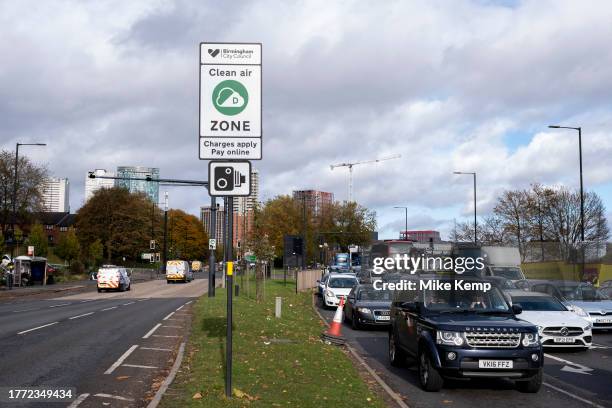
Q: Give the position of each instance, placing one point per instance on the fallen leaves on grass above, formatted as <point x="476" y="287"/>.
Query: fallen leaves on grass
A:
<point x="197" y="395"/>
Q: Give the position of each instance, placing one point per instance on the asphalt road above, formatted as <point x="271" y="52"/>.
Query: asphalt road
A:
<point x="78" y="342"/>
<point x="572" y="378"/>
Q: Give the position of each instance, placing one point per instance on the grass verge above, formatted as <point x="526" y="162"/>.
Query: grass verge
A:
<point x="277" y="362"/>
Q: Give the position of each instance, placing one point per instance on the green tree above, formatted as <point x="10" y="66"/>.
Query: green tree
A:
<point x="95" y="252"/>
<point x="68" y="247"/>
<point x="38" y="240"/>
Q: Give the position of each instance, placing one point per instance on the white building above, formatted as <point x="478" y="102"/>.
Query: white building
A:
<point x="56" y="195"/>
<point x="94" y="184"/>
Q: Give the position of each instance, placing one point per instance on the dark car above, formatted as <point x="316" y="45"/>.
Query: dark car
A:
<point x="463" y="332"/>
<point x="367" y="306"/>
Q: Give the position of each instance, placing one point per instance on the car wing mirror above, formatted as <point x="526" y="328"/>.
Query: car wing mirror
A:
<point x="517" y="309"/>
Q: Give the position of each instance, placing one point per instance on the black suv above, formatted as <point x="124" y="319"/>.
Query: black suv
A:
<point x="463" y="333"/>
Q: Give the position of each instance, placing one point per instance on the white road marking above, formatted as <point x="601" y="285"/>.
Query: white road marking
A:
<point x="108" y="308"/>
<point x="146" y="336"/>
<point x="176" y="320"/>
<point x="189" y="302"/>
<point x="599" y="346"/>
<point x="88" y="300"/>
<point x="562" y="391"/>
<point x="175" y="327"/>
<point x="179" y="308"/>
<point x="136" y="366"/>
<point x="571" y="367"/>
<point x="23" y="310"/>
<point x="167" y="317"/>
<point x="82" y="315"/>
<point x="117" y="397"/>
<point x="142" y="300"/>
<point x="129" y="303"/>
<point x="159" y="335"/>
<point x="36" y="328"/>
<point x="155" y="348"/>
<point x="63" y="304"/>
<point x="78" y="401"/>
<point x="121" y="359"/>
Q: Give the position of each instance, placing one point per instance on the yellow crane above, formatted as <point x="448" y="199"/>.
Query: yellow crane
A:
<point x="350" y="167"/>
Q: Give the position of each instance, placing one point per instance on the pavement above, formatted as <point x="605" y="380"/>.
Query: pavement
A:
<point x="112" y="349"/>
<point x="572" y="378"/>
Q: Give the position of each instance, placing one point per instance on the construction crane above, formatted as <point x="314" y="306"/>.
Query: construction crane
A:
<point x="350" y="167"/>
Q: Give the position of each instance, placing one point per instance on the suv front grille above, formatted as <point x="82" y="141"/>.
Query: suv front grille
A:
<point x="494" y="340"/>
<point x="558" y="331"/>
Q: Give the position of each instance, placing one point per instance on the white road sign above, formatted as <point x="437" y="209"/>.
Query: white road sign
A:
<point x="212" y="244"/>
<point x="230" y="101"/>
<point x="229" y="178"/>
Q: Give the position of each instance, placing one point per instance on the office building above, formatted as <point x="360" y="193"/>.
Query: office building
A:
<point x="206" y="218"/>
<point x="56" y="195"/>
<point x="94" y="184"/>
<point x="316" y="201"/>
<point x="150" y="188"/>
<point x="243" y="205"/>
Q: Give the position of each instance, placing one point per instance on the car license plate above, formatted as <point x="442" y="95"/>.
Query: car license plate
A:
<point x="563" y="340"/>
<point x="603" y="321"/>
<point x="383" y="317"/>
<point x="505" y="364"/>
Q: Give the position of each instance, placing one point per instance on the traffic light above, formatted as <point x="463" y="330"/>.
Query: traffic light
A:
<point x="298" y="245"/>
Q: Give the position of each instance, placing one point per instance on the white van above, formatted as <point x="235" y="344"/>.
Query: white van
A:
<point x="113" y="277"/>
<point x="178" y="271"/>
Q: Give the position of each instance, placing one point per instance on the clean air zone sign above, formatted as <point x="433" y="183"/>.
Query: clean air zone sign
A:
<point x="230" y="101"/>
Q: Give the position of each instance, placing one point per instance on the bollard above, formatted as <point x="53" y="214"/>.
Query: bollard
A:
<point x="237" y="290"/>
<point x="278" y="307"/>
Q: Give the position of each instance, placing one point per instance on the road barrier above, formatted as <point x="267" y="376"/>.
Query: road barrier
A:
<point x="307" y="279"/>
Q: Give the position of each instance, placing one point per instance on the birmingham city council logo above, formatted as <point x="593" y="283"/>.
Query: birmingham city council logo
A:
<point x="230" y="97"/>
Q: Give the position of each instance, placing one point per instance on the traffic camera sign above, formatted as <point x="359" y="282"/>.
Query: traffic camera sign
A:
<point x="229" y="178"/>
<point x="212" y="244"/>
<point x="230" y="101"/>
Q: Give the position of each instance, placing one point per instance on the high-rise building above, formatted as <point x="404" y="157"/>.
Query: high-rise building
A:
<point x="150" y="188"/>
<point x="243" y="212"/>
<point x="243" y="205"/>
<point x="94" y="184"/>
<point x="316" y="201"/>
<point x="56" y="195"/>
<point x="206" y="218"/>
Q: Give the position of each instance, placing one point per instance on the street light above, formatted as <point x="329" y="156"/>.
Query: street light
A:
<point x="165" y="254"/>
<point x="406" y="230"/>
<point x="475" y="222"/>
<point x="579" y="129"/>
<point x="15" y="186"/>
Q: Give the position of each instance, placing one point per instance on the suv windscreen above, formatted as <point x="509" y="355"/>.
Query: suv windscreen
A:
<point x="507" y="272"/>
<point x="582" y="293"/>
<point x="373" y="294"/>
<point x="539" y="303"/>
<point x="345" y="283"/>
<point x="464" y="300"/>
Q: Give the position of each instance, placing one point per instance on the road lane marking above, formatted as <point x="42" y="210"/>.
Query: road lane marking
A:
<point x="117" y="397"/>
<point x="63" y="304"/>
<point x="175" y="327"/>
<point x="155" y="348"/>
<point x="142" y="300"/>
<point x="88" y="300"/>
<point x="189" y="302"/>
<point x="562" y="391"/>
<point x="36" y="328"/>
<point x="164" y="386"/>
<point x="78" y="401"/>
<point x="121" y="359"/>
<point x="159" y="335"/>
<point x="129" y="303"/>
<point x="571" y="367"/>
<point x="167" y="317"/>
<point x="79" y="316"/>
<point x="23" y="310"/>
<point x="137" y="366"/>
<point x="179" y="308"/>
<point x="176" y="320"/>
<point x="157" y="326"/>
<point x="108" y="308"/>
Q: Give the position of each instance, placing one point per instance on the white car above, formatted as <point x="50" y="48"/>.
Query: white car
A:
<point x="338" y="286"/>
<point x="558" y="326"/>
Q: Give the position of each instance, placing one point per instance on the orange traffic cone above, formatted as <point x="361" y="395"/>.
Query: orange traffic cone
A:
<point x="334" y="333"/>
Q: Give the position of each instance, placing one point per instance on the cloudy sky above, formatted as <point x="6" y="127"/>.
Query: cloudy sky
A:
<point x="449" y="85"/>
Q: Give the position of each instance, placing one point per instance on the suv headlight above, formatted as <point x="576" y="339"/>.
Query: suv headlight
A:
<point x="449" y="338"/>
<point x="579" y="311"/>
<point x="589" y="327"/>
<point x="530" y="339"/>
<point x="364" y="310"/>
<point x="329" y="293"/>
<point x="540" y="328"/>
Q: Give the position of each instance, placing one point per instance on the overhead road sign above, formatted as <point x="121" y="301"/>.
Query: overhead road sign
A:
<point x="229" y="179"/>
<point x="230" y="101"/>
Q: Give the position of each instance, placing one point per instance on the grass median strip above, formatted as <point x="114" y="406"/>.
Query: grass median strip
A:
<point x="276" y="362"/>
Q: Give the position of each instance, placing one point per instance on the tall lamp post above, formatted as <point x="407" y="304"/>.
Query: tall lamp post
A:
<point x="165" y="249"/>
<point x="475" y="222"/>
<point x="406" y="222"/>
<point x="15" y="188"/>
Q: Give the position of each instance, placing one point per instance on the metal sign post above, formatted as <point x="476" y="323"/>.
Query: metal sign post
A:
<point x="229" y="286"/>
<point x="212" y="260"/>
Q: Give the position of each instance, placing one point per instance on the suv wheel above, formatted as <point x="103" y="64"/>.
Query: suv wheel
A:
<point x="355" y="323"/>
<point x="429" y="377"/>
<point x="396" y="355"/>
<point x="533" y="385"/>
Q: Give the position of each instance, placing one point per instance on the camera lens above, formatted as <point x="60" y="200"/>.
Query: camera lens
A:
<point x="221" y="183"/>
<point x="228" y="170"/>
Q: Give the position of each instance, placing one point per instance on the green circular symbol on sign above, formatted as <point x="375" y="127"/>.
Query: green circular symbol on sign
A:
<point x="230" y="97"/>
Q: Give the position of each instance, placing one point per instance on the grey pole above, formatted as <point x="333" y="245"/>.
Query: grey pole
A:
<point x="475" y="222"/>
<point x="211" y="259"/>
<point x="229" y="287"/>
<point x="165" y="254"/>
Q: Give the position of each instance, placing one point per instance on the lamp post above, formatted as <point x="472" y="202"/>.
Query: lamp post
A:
<point x="165" y="249"/>
<point x="406" y="222"/>
<point x="475" y="222"/>
<point x="15" y="187"/>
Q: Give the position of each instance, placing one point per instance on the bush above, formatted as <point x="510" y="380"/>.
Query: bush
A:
<point x="77" y="268"/>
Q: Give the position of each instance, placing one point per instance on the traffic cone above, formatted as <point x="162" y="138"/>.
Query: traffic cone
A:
<point x="334" y="333"/>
